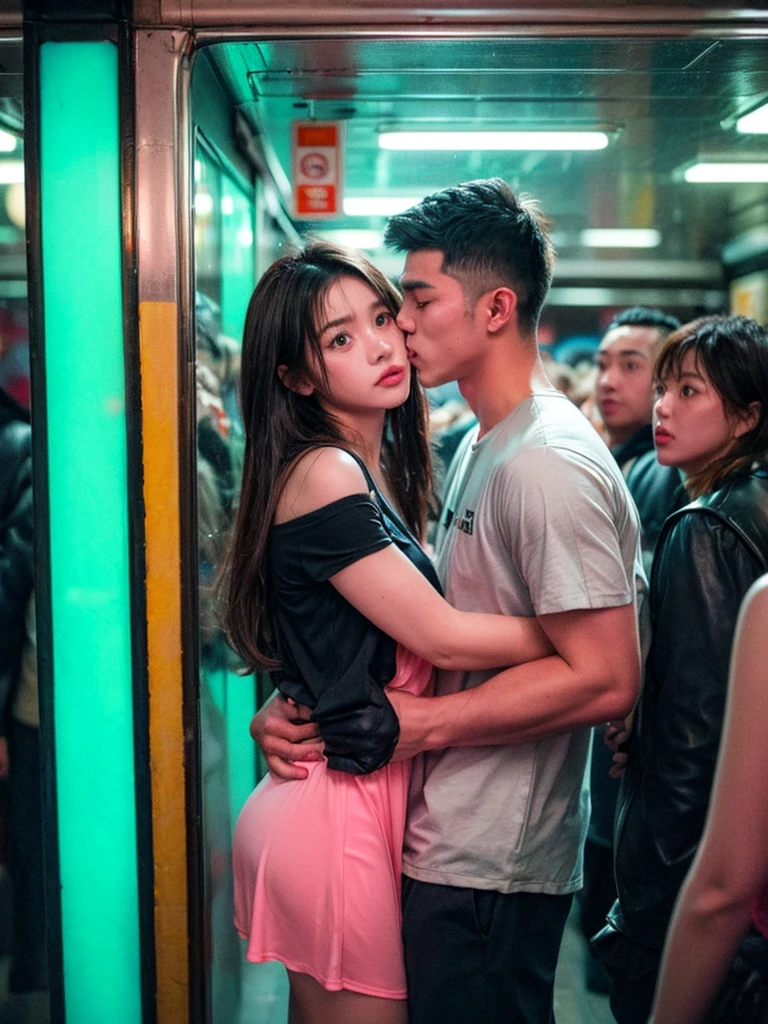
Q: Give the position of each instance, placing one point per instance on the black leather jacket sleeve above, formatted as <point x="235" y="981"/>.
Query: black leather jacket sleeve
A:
<point x="702" y="573"/>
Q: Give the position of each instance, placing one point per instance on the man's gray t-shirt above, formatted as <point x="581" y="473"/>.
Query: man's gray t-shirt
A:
<point x="537" y="520"/>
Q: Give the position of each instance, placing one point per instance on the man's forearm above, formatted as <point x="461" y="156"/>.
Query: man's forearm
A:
<point x="519" y="705"/>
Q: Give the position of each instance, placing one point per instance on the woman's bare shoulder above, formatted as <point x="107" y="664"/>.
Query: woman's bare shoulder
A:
<point x="319" y="477"/>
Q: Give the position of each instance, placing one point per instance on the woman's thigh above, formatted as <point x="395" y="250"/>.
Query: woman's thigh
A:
<point x="310" y="1003"/>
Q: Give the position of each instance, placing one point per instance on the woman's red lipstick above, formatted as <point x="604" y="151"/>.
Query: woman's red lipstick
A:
<point x="391" y="376"/>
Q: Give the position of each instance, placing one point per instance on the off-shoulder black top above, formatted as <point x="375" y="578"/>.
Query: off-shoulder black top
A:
<point x="335" y="660"/>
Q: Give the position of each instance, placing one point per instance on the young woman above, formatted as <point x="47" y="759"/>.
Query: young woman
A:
<point x="711" y="421"/>
<point x="727" y="889"/>
<point x="326" y="579"/>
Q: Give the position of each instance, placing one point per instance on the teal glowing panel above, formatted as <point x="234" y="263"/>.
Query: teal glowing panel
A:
<point x="237" y="257"/>
<point x="85" y="389"/>
<point x="241" y="750"/>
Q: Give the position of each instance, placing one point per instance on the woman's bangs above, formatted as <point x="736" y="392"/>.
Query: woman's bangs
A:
<point x="672" y="357"/>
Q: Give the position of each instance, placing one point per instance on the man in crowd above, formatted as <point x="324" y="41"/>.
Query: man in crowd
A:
<point x="536" y="521"/>
<point x="624" y="387"/>
<point x="624" y="393"/>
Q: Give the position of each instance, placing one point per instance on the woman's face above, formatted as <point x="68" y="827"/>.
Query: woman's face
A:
<point x="363" y="352"/>
<point x="692" y="427"/>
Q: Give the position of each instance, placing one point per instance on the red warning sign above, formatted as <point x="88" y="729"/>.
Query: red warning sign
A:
<point x="317" y="168"/>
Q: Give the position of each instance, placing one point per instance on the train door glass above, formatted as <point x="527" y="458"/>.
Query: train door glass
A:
<point x="602" y="130"/>
<point x="224" y="259"/>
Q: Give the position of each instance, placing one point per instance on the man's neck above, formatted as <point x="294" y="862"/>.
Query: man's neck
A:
<point x="501" y="383"/>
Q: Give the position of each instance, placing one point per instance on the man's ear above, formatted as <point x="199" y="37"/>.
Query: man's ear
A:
<point x="500" y="305"/>
<point x="747" y="419"/>
<point x="299" y="384"/>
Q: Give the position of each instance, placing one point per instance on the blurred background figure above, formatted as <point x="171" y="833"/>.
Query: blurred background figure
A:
<point x="20" y="721"/>
<point x="217" y="352"/>
<point x="562" y="375"/>
<point x="14" y="351"/>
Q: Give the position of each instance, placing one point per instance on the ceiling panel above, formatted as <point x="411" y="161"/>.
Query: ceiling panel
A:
<point x="664" y="103"/>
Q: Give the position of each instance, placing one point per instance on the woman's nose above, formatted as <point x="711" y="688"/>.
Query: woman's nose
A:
<point x="382" y="346"/>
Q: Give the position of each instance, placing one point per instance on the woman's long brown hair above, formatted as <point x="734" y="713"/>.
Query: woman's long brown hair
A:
<point x="280" y="424"/>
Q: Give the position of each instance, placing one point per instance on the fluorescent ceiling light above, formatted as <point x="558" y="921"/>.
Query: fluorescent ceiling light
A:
<point x="7" y="142"/>
<point x="378" y="206"/>
<point x="11" y="171"/>
<point x="529" y="141"/>
<point x="203" y="204"/>
<point x="727" y="172"/>
<point x="355" y="238"/>
<point x="755" y="122"/>
<point x="244" y="236"/>
<point x="620" y="238"/>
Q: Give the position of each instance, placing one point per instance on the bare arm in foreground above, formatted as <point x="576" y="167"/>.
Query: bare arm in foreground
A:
<point x="731" y="867"/>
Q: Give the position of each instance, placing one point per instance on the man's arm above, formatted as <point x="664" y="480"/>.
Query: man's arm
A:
<point x="593" y="677"/>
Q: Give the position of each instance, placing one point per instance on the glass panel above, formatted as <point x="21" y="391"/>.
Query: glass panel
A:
<point x="237" y="256"/>
<point x="225" y="268"/>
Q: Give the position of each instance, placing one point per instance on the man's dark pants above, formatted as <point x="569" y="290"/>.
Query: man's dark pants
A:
<point x="476" y="955"/>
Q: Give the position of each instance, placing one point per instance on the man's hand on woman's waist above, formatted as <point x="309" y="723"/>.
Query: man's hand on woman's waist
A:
<point x="286" y="736"/>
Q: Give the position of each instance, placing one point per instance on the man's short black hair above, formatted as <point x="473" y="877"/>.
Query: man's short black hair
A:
<point x="489" y="238"/>
<point x="645" y="316"/>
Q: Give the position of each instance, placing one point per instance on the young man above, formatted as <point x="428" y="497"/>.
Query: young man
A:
<point x="624" y="393"/>
<point x="624" y="386"/>
<point x="537" y="521"/>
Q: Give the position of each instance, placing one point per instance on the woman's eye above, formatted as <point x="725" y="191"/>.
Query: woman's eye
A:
<point x="658" y="390"/>
<point x="421" y="305"/>
<point x="382" y="319"/>
<point x="686" y="391"/>
<point x="339" y="341"/>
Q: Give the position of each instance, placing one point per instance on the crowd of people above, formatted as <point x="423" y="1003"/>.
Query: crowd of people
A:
<point x="481" y="702"/>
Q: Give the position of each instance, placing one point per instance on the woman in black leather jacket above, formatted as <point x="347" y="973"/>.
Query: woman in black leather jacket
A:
<point x="711" y="421"/>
